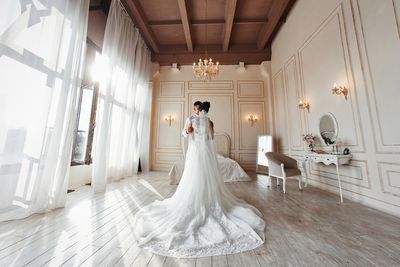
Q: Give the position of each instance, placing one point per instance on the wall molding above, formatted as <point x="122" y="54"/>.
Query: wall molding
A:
<point x="224" y="95"/>
<point x="346" y="192"/>
<point x="344" y="40"/>
<point x="241" y="122"/>
<point x="165" y="86"/>
<point x="359" y="145"/>
<point x="375" y="117"/>
<point x="248" y="161"/>
<point x="363" y="180"/>
<point x="167" y="157"/>
<point x="242" y="83"/>
<point x="396" y="15"/>
<point x="231" y="100"/>
<point x="210" y="85"/>
<point x="278" y="143"/>
<point x="292" y="61"/>
<point x="159" y="117"/>
<point x="385" y="168"/>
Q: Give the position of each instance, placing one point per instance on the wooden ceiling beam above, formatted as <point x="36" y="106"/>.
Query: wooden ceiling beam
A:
<point x="137" y="15"/>
<point x="185" y="24"/>
<point x="249" y="21"/>
<point x="164" y="22"/>
<point x="282" y="20"/>
<point x="211" y="48"/>
<point x="224" y="58"/>
<point x="209" y="22"/>
<point x="279" y="9"/>
<point x="229" y="16"/>
<point x="192" y="22"/>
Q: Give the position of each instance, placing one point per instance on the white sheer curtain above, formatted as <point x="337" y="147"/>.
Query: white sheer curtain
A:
<point x="41" y="49"/>
<point x="123" y="100"/>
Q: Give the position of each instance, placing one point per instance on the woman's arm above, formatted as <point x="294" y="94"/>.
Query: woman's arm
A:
<point x="184" y="130"/>
<point x="188" y="129"/>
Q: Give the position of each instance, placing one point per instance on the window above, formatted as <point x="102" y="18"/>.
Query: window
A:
<point x="81" y="153"/>
<point x="82" y="147"/>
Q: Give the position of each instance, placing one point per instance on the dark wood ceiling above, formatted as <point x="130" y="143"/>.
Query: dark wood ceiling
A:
<point x="237" y="30"/>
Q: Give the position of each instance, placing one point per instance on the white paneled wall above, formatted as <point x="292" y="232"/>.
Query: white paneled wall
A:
<point x="354" y="43"/>
<point x="234" y="95"/>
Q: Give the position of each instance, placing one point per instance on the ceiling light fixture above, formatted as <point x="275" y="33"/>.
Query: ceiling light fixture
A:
<point x="205" y="69"/>
<point x="175" y="67"/>
<point x="241" y="66"/>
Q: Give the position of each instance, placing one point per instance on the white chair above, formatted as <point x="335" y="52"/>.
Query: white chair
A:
<point x="283" y="167"/>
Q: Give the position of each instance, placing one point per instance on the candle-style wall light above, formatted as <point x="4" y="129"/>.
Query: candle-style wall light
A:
<point x="304" y="105"/>
<point x="252" y="119"/>
<point x="170" y="119"/>
<point x="340" y="90"/>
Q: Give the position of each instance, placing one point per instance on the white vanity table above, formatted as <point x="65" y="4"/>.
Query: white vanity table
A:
<point x="328" y="131"/>
<point x="327" y="159"/>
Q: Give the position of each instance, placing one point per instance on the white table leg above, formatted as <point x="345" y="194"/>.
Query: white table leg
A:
<point x="305" y="172"/>
<point x="340" y="185"/>
<point x="300" y="181"/>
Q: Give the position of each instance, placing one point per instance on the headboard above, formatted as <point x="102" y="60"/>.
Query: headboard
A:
<point x="222" y="143"/>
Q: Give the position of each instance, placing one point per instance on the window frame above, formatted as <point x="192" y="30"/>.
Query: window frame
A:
<point x="92" y="123"/>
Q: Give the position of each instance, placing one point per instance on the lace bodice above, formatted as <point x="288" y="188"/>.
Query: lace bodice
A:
<point x="201" y="127"/>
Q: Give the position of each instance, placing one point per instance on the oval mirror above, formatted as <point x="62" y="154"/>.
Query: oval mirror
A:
<point x="328" y="128"/>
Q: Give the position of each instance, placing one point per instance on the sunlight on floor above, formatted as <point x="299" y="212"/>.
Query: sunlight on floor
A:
<point x="150" y="187"/>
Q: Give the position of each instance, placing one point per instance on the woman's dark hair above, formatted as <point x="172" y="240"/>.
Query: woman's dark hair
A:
<point x="205" y="106"/>
<point x="197" y="103"/>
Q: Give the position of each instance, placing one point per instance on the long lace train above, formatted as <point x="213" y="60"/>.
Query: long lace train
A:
<point x="203" y="218"/>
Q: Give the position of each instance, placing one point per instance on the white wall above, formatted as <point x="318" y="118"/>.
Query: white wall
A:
<point x="233" y="94"/>
<point x="354" y="43"/>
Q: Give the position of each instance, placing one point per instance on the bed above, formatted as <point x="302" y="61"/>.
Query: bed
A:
<point x="230" y="169"/>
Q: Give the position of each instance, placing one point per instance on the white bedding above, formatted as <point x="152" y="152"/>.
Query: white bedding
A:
<point x="230" y="171"/>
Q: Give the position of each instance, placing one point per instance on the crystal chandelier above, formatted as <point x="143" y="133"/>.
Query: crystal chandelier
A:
<point x="205" y="69"/>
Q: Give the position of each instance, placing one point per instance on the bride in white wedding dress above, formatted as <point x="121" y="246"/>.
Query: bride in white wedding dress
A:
<point x="203" y="218"/>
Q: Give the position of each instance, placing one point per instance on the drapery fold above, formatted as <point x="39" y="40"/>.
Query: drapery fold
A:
<point x="42" y="47"/>
<point x="123" y="101"/>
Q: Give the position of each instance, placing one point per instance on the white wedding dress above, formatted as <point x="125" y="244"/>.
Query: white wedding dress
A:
<point x="203" y="218"/>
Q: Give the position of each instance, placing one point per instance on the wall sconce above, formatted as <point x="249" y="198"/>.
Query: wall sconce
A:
<point x="170" y="119"/>
<point x="304" y="105"/>
<point x="340" y="90"/>
<point x="252" y="119"/>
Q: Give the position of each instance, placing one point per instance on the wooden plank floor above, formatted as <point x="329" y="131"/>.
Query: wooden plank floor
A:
<point x="304" y="228"/>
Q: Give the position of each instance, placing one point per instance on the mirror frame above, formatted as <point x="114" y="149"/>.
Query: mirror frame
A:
<point x="336" y="125"/>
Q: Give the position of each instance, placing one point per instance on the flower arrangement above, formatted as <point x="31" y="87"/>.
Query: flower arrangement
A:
<point x="310" y="140"/>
